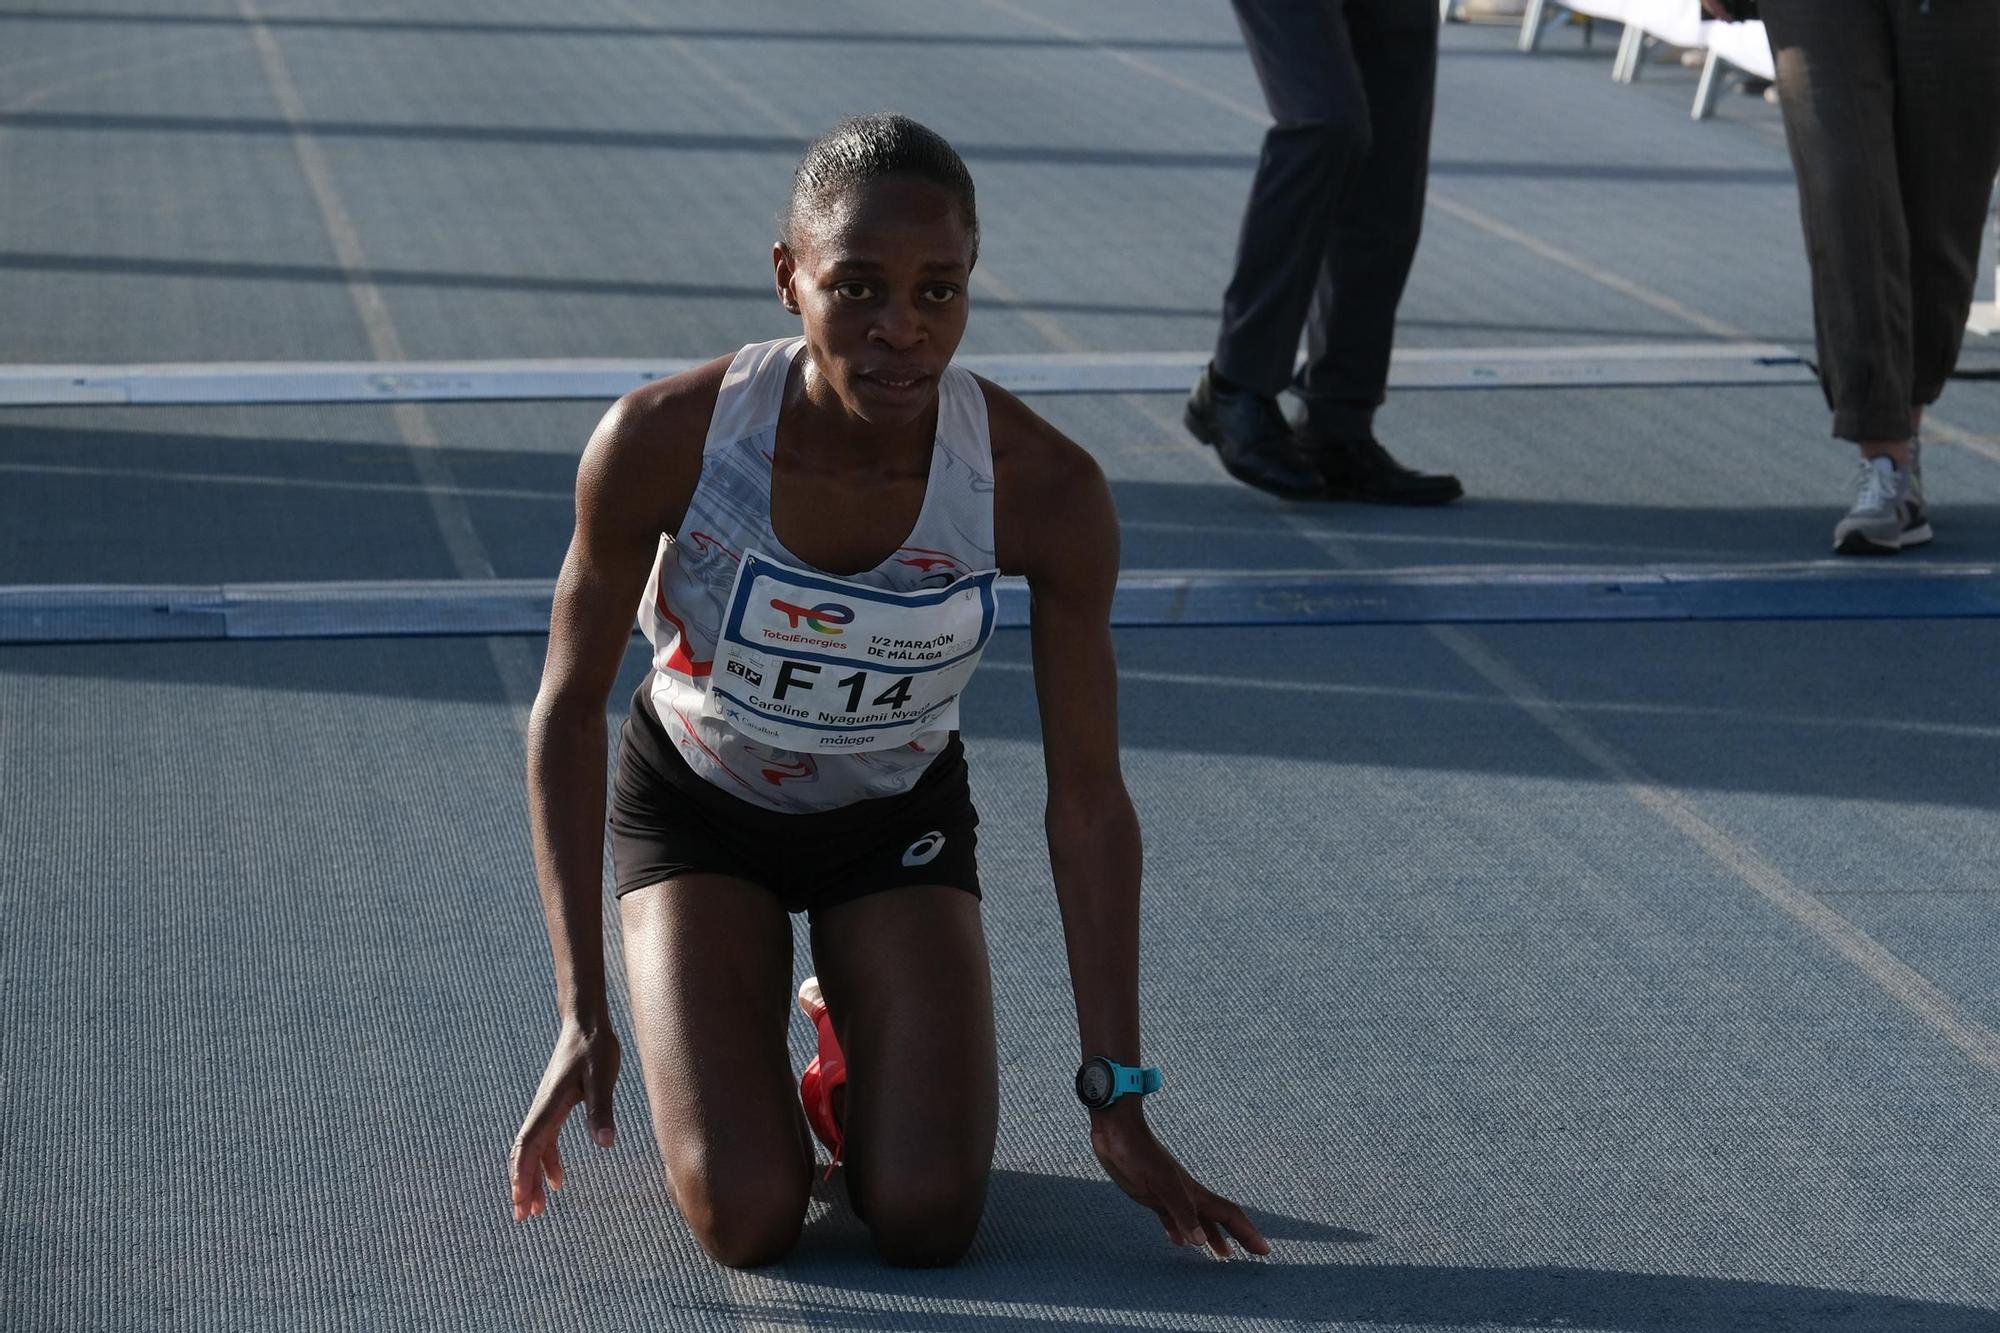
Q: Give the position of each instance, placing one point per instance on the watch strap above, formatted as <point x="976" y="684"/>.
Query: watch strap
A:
<point x="1140" y="1079"/>
<point x="1135" y="1079"/>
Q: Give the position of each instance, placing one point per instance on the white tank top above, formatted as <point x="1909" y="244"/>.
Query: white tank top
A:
<point x="948" y="557"/>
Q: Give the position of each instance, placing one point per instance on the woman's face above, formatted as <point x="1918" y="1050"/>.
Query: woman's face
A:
<point x="878" y="278"/>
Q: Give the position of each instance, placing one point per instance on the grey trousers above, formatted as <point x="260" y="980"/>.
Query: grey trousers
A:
<point x="1892" y="113"/>
<point x="1337" y="201"/>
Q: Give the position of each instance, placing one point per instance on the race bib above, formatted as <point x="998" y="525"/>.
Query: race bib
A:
<point x="809" y="662"/>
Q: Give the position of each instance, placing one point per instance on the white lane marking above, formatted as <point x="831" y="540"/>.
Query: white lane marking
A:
<point x="1609" y="708"/>
<point x="513" y="659"/>
<point x="1424" y="539"/>
<point x="187" y="51"/>
<point x="1613" y="365"/>
<point x="1903" y="983"/>
<point x="1575" y="263"/>
<point x="1986" y="446"/>
<point x="1428" y="541"/>
<point x="282" y="483"/>
<point x="1159" y="598"/>
<point x="1255" y="114"/>
<point x="98" y="73"/>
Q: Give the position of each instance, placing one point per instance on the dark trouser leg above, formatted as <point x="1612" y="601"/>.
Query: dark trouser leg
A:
<point x="1306" y="68"/>
<point x="1948" y="147"/>
<point x="1837" y="86"/>
<point x="1373" y="240"/>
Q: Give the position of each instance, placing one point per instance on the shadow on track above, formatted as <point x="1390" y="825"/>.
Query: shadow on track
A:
<point x="1078" y="1247"/>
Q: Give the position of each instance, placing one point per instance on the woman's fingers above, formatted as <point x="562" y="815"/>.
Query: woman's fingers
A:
<point x="524" y="1171"/>
<point x="1166" y="1195"/>
<point x="1167" y="1190"/>
<point x="1180" y="1206"/>
<point x="534" y="1149"/>
<point x="1221" y="1212"/>
<point x="598" y="1081"/>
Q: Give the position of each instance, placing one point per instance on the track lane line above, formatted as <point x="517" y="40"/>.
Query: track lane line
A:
<point x="513" y="660"/>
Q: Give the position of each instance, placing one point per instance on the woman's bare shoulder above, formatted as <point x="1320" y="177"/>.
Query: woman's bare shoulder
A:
<point x="665" y="414"/>
<point x="646" y="451"/>
<point x="1050" y="500"/>
<point x="1028" y="448"/>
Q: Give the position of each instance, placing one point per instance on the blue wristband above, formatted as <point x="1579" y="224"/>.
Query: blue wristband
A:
<point x="1100" y="1082"/>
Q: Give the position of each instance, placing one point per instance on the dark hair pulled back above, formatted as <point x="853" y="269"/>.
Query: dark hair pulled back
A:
<point x="864" y="149"/>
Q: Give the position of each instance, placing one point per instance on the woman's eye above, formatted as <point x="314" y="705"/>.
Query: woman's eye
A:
<point x="941" y="293"/>
<point x="854" y="291"/>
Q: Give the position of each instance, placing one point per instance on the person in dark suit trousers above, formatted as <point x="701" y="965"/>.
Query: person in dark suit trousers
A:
<point x="1328" y="236"/>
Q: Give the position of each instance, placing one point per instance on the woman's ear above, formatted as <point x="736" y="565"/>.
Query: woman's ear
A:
<point x="786" y="270"/>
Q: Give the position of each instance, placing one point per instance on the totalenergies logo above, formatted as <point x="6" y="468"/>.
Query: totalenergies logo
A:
<point x="826" y="618"/>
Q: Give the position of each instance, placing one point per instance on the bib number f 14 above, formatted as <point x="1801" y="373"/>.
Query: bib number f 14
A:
<point x="814" y="663"/>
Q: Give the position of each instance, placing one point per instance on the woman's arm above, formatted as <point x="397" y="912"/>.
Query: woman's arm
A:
<point x="633" y="483"/>
<point x="1054" y="523"/>
<point x="1093" y="833"/>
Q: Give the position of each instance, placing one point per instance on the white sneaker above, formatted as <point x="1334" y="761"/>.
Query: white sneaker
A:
<point x="1888" y="512"/>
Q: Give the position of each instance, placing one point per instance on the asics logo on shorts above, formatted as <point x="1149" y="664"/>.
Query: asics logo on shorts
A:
<point x="924" y="850"/>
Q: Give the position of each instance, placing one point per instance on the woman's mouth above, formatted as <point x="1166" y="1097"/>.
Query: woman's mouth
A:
<point x="901" y="381"/>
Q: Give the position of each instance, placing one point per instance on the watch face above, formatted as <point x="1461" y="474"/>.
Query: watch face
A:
<point x="1093" y="1083"/>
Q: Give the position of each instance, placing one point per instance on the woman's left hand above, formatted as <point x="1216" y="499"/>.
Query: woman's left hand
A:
<point x="1141" y="1166"/>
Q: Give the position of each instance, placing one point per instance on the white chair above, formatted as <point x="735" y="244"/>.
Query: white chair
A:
<point x="1675" y="22"/>
<point x="1535" y="20"/>
<point x="1746" y="47"/>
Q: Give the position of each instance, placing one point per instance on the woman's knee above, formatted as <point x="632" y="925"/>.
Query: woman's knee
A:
<point x="925" y="1220"/>
<point x="744" y="1223"/>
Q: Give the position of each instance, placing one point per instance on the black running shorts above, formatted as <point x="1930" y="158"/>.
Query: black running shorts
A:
<point x="666" y="822"/>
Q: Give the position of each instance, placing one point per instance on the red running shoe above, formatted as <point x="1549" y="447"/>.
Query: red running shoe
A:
<point x="826" y="1073"/>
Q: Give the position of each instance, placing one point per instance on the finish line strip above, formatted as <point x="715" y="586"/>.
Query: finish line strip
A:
<point x="1623" y="365"/>
<point x="430" y="608"/>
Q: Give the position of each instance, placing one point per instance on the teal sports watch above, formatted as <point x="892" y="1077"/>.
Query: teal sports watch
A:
<point x="1100" y="1082"/>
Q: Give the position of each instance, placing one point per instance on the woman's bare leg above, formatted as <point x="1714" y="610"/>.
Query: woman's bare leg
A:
<point x="906" y="981"/>
<point x="709" y="962"/>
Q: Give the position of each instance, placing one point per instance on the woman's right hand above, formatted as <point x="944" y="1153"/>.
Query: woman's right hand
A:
<point x="583" y="1069"/>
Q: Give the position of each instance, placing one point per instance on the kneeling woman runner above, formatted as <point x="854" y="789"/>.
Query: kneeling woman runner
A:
<point x="835" y="508"/>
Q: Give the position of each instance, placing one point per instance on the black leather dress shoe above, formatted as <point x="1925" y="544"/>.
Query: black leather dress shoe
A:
<point x="1255" y="444"/>
<point x="1360" y="468"/>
